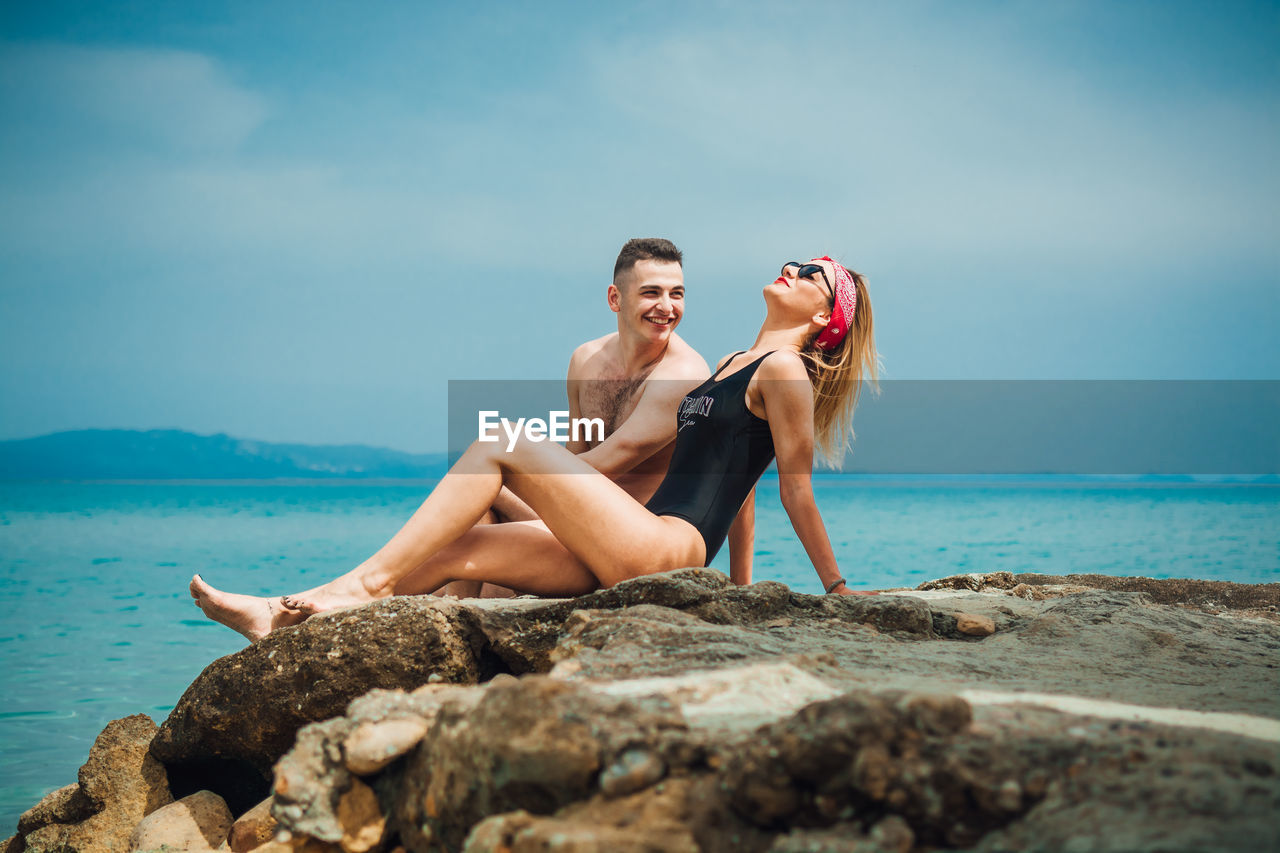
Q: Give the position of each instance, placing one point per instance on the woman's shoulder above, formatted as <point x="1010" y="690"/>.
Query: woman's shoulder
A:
<point x="783" y="364"/>
<point x="778" y="361"/>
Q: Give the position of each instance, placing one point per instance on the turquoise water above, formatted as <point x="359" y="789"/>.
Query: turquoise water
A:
<point x="97" y="623"/>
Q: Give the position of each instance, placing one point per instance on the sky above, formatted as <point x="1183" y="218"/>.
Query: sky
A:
<point x="297" y="221"/>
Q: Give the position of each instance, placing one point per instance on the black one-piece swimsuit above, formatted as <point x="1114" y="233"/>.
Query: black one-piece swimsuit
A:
<point x="721" y="451"/>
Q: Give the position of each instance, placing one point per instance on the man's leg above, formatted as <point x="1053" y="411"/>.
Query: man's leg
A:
<point x="506" y="509"/>
<point x="471" y="589"/>
<point x="484" y="550"/>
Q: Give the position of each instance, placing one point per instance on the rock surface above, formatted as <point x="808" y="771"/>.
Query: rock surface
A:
<point x="678" y="712"/>
<point x="118" y="786"/>
<point x="246" y="708"/>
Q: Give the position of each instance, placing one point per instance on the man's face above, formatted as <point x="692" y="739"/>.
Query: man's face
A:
<point x="649" y="299"/>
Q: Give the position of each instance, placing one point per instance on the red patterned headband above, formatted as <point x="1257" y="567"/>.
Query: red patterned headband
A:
<point x="842" y="316"/>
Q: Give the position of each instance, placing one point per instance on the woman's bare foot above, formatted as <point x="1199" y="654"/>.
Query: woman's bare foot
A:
<point x="250" y="615"/>
<point x="350" y="590"/>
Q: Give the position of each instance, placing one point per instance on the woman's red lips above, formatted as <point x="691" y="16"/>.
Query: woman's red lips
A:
<point x="780" y="280"/>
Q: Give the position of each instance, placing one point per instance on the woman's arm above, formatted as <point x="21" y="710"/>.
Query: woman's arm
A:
<point x="742" y="534"/>
<point x="787" y="398"/>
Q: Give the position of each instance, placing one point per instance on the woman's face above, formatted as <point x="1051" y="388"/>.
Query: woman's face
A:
<point x="807" y="284"/>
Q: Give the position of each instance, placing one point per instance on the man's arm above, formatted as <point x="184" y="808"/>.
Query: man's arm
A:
<point x="742" y="535"/>
<point x="578" y="445"/>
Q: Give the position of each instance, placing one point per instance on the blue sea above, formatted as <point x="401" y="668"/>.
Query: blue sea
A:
<point x="97" y="623"/>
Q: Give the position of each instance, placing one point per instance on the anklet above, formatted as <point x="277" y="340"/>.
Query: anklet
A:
<point x="834" y="584"/>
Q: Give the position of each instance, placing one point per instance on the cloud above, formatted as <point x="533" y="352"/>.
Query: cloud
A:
<point x="965" y="139"/>
<point x="145" y="97"/>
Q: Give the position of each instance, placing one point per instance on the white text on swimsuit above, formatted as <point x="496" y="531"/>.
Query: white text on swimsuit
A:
<point x="557" y="427"/>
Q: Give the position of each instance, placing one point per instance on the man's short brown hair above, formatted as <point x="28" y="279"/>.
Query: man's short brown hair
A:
<point x="645" y="249"/>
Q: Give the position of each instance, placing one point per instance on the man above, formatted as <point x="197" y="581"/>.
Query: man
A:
<point x="632" y="379"/>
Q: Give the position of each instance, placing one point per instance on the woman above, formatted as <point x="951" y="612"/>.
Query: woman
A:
<point x="795" y="388"/>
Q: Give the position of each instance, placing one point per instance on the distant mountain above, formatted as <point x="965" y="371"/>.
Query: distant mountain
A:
<point x="167" y="454"/>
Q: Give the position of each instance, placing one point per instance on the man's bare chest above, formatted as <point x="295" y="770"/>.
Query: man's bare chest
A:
<point x="610" y="399"/>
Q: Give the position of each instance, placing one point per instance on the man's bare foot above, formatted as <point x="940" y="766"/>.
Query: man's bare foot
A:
<point x="350" y="590"/>
<point x="250" y="615"/>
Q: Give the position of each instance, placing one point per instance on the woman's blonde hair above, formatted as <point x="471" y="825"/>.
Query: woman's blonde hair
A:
<point x="837" y="375"/>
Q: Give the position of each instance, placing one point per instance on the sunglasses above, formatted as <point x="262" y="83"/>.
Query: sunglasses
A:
<point x="807" y="271"/>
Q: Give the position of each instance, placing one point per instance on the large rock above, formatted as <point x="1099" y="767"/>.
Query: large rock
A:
<point x="526" y="636"/>
<point x="244" y="710"/>
<point x="648" y="640"/>
<point x="860" y="756"/>
<point x="118" y="786"/>
<point x="680" y="712"/>
<point x="312" y="779"/>
<point x="536" y="744"/>
<point x="242" y="713"/>
<point x="65" y="805"/>
<point x="592" y="764"/>
<point x="540" y="762"/>
<point x="1187" y="591"/>
<point x="1137" y="787"/>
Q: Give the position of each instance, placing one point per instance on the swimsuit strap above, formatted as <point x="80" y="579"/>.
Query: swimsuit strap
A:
<point x="727" y="362"/>
<point x="749" y="369"/>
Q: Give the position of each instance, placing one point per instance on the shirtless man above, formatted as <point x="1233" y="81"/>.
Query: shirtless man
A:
<point x="609" y="379"/>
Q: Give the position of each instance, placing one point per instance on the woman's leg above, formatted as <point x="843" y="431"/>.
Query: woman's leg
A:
<point x="597" y="522"/>
<point x="524" y="554"/>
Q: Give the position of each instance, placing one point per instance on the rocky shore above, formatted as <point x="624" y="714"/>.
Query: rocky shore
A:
<point x="678" y="712"/>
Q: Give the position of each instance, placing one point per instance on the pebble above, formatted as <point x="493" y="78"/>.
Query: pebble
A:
<point x="974" y="625"/>
<point x="198" y="822"/>
<point x="1009" y="796"/>
<point x="362" y="821"/>
<point x="634" y="770"/>
<point x="253" y="828"/>
<point x="372" y="746"/>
